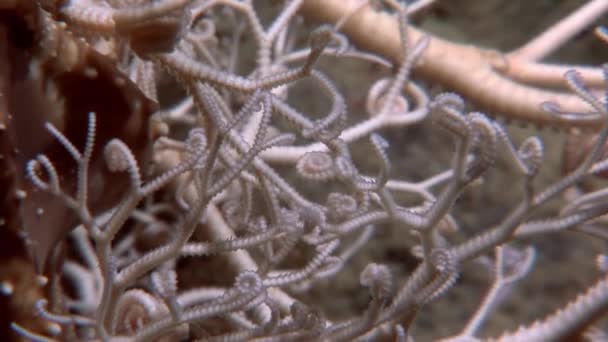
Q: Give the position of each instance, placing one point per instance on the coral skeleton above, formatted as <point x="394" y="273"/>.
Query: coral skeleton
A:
<point x="173" y="188"/>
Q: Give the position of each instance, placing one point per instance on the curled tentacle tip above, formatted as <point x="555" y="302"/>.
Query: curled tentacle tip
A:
<point x="320" y="37"/>
<point x="248" y="282"/>
<point x="316" y="165"/>
<point x="378" y="279"/>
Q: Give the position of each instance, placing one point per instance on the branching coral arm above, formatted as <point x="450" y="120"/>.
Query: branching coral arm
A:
<point x="471" y="71"/>
<point x="554" y="37"/>
<point x="567" y="322"/>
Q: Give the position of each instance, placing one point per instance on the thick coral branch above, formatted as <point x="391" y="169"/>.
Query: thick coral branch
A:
<point x="480" y="75"/>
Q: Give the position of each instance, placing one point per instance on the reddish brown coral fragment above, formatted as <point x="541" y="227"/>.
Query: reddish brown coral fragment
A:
<point x="63" y="87"/>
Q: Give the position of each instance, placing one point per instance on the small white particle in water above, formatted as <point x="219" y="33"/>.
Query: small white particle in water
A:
<point x="90" y="72"/>
<point x="6" y="288"/>
<point x="39" y="211"/>
<point x="53" y="328"/>
<point x="42" y="280"/>
<point x="20" y="194"/>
